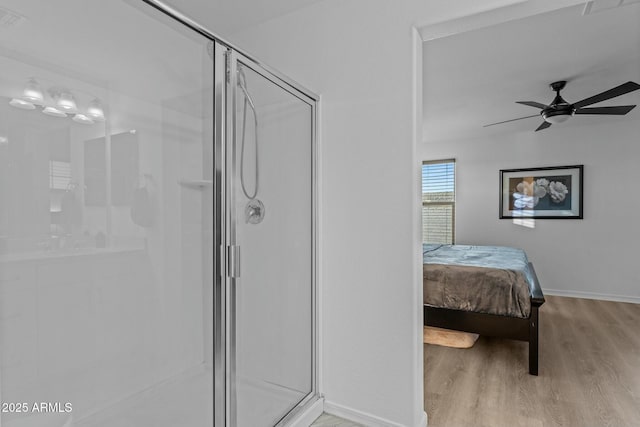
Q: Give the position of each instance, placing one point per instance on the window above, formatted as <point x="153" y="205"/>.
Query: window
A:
<point x="438" y="201"/>
<point x="59" y="175"/>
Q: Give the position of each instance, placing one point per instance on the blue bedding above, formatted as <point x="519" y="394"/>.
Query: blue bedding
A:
<point x="483" y="279"/>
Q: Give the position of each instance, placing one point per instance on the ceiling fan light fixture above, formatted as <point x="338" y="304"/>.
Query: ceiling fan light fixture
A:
<point x="556" y="117"/>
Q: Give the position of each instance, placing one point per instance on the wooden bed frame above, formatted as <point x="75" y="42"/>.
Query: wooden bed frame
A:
<point x="515" y="328"/>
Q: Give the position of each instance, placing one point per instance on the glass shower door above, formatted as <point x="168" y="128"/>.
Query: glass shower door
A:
<point x="106" y="217"/>
<point x="271" y="256"/>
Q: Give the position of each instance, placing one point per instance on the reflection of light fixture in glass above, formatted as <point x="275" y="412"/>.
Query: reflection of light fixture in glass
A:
<point x="4" y="140"/>
<point x="52" y="111"/>
<point x="81" y="118"/>
<point x="32" y="92"/>
<point x="22" y="104"/>
<point x="66" y="103"/>
<point x="95" y="110"/>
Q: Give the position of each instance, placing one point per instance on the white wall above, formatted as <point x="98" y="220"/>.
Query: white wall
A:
<point x="593" y="257"/>
<point x="359" y="56"/>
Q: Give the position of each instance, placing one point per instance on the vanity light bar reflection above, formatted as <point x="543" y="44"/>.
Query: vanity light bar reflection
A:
<point x="64" y="103"/>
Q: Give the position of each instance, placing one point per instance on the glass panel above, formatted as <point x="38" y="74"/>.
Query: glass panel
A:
<point x="106" y="218"/>
<point x="273" y="202"/>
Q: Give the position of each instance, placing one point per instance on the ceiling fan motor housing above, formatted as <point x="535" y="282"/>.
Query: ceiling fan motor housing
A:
<point x="559" y="110"/>
<point x="554" y="110"/>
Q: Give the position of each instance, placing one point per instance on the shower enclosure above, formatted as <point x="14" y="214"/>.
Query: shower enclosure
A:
<point x="157" y="224"/>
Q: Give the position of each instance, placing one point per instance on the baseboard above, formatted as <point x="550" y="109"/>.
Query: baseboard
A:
<point x="425" y="420"/>
<point x="306" y="417"/>
<point x="592" y="295"/>
<point x="363" y="418"/>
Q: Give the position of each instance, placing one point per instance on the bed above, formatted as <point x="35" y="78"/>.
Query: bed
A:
<point x="487" y="290"/>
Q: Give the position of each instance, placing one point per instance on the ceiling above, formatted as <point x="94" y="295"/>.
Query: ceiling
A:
<point x="228" y="16"/>
<point x="471" y="78"/>
<point x="474" y="78"/>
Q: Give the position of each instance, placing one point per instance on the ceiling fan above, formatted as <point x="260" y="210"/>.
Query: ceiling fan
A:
<point x="560" y="110"/>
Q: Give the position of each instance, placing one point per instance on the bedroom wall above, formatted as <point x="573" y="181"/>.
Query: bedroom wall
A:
<point x="596" y="257"/>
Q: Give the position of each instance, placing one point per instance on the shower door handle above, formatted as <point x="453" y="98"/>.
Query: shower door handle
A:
<point x="233" y="261"/>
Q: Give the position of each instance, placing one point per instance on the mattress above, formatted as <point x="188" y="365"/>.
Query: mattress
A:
<point x="481" y="279"/>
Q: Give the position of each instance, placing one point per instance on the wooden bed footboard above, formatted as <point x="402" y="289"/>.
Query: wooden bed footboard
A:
<point x="516" y="328"/>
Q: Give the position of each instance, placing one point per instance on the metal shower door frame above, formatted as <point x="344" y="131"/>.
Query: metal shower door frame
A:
<point x="231" y="260"/>
<point x="221" y="404"/>
<point x="226" y="55"/>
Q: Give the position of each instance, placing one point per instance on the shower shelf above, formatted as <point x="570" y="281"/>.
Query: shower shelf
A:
<point x="198" y="184"/>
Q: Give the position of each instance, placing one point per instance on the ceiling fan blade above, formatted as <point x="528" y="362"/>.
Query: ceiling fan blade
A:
<point x="619" y="110"/>
<point x="544" y="125"/>
<point x="512" y="120"/>
<point x="608" y="94"/>
<point x="532" y="104"/>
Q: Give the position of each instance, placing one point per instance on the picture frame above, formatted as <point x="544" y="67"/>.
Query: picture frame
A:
<point x="553" y="192"/>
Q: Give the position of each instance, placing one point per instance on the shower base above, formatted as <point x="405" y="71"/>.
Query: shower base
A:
<point x="185" y="400"/>
<point x="263" y="403"/>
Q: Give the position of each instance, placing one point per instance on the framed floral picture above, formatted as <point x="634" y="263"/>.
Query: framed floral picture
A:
<point x="542" y="193"/>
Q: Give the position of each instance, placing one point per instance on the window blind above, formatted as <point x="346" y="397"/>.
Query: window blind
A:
<point x="438" y="201"/>
<point x="59" y="175"/>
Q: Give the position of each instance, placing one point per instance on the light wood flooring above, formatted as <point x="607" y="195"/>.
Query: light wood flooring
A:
<point x="589" y="373"/>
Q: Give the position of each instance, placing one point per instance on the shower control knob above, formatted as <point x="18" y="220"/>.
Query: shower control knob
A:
<point x="254" y="212"/>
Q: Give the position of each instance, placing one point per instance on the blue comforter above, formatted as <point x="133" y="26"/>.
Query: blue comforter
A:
<point x="484" y="279"/>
